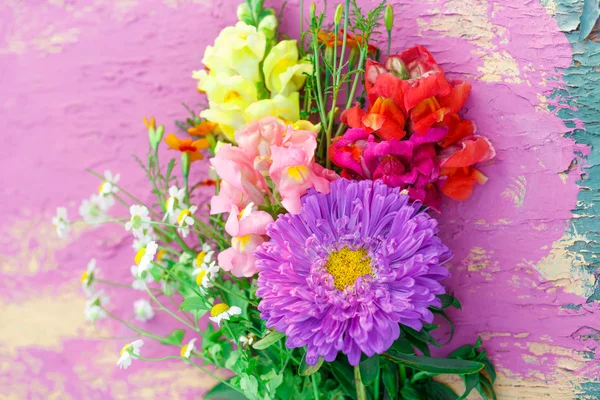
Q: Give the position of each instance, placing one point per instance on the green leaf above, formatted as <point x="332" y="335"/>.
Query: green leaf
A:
<point x="402" y="345"/>
<point x="435" y="365"/>
<point x="471" y="382"/>
<point x="268" y="340"/>
<point x="443" y="315"/>
<point x="369" y="369"/>
<point x="174" y="338"/>
<point x="465" y="352"/>
<point x="409" y="392"/>
<point x="344" y="374"/>
<point x="439" y="391"/>
<point x="422" y="335"/>
<point x="272" y="380"/>
<point x="489" y="370"/>
<point x="222" y="391"/>
<point x="486" y="389"/>
<point x="389" y="376"/>
<point x="193" y="303"/>
<point x="249" y="385"/>
<point x="305" y="370"/>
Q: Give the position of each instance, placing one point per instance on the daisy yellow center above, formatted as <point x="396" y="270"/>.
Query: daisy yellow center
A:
<point x="136" y="221"/>
<point x="159" y="256"/>
<point x="182" y="215"/>
<point x="347" y="265"/>
<point x="298" y="173"/>
<point x="200" y="258"/>
<point x="199" y="277"/>
<point x="218" y="309"/>
<point x="124" y="349"/>
<point x="84" y="276"/>
<point x="139" y="255"/>
<point x="101" y="188"/>
<point x="183" y="350"/>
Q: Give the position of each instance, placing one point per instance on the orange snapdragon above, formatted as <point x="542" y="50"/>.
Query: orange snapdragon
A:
<point x="187" y="146"/>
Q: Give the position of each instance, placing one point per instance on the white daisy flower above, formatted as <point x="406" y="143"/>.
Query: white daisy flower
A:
<point x="247" y="340"/>
<point x="62" y="223"/>
<point x="87" y="278"/>
<point x="107" y="187"/>
<point x="186" y="351"/>
<point x="222" y="311"/>
<point x="93" y="307"/>
<point x="173" y="203"/>
<point x="143" y="238"/>
<point x="145" y="256"/>
<point x="143" y="310"/>
<point x="129" y="350"/>
<point x="93" y="211"/>
<point x="140" y="282"/>
<point x="204" y="257"/>
<point x="205" y="274"/>
<point x="140" y="218"/>
<point x="185" y="220"/>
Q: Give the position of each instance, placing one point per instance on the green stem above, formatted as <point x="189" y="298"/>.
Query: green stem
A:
<point x="132" y="327"/>
<point x="354" y="85"/>
<point x="319" y="97"/>
<point x="172" y="314"/>
<point x="157" y="359"/>
<point x="233" y="293"/>
<point x="315" y="387"/>
<point x="177" y="278"/>
<point x="389" y="46"/>
<point x="346" y="19"/>
<point x="207" y="372"/>
<point x="402" y="374"/>
<point x="117" y="284"/>
<point x="361" y="391"/>
<point x="376" y="384"/>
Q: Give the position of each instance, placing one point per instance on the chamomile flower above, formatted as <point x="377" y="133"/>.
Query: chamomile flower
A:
<point x="186" y="350"/>
<point x="107" y="187"/>
<point x="247" y="340"/>
<point x="222" y="311"/>
<point x="173" y="203"/>
<point x="87" y="278"/>
<point x="140" y="218"/>
<point x="143" y="238"/>
<point x="145" y="256"/>
<point x="185" y="258"/>
<point x="141" y="281"/>
<point x="143" y="310"/>
<point x="93" y="210"/>
<point x="62" y="223"/>
<point x="204" y="257"/>
<point x="205" y="274"/>
<point x="93" y="307"/>
<point x="129" y="350"/>
<point x="185" y="220"/>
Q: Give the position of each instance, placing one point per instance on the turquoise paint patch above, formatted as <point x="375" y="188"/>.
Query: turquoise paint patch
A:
<point x="581" y="96"/>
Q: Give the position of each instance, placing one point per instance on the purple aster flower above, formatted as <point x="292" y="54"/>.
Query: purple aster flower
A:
<point x="352" y="265"/>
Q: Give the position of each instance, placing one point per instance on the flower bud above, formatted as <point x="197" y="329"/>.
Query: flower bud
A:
<point x="338" y="14"/>
<point x="388" y="17"/>
<point x="353" y="58"/>
<point x="155" y="136"/>
<point x="313" y="10"/>
<point x="268" y="26"/>
<point x="397" y="67"/>
<point x="244" y="14"/>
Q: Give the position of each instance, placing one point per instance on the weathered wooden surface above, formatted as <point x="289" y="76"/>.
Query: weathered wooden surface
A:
<point x="76" y="77"/>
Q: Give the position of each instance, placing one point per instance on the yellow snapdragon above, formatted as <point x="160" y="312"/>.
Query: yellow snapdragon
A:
<point x="233" y="79"/>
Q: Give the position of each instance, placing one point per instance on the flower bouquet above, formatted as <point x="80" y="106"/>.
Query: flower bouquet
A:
<point x="317" y="261"/>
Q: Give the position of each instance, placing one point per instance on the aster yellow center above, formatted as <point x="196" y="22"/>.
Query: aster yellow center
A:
<point x="347" y="265"/>
<point x="218" y="309"/>
<point x="182" y="215"/>
<point x="140" y="253"/>
<point x="199" y="277"/>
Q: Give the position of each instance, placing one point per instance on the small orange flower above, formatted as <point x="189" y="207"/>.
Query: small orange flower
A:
<point x="329" y="38"/>
<point x="202" y="129"/>
<point x="355" y="41"/>
<point x="187" y="146"/>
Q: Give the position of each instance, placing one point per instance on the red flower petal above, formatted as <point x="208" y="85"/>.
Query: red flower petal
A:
<point x="353" y="117"/>
<point x="457" y="129"/>
<point x="455" y="100"/>
<point x="467" y="152"/>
